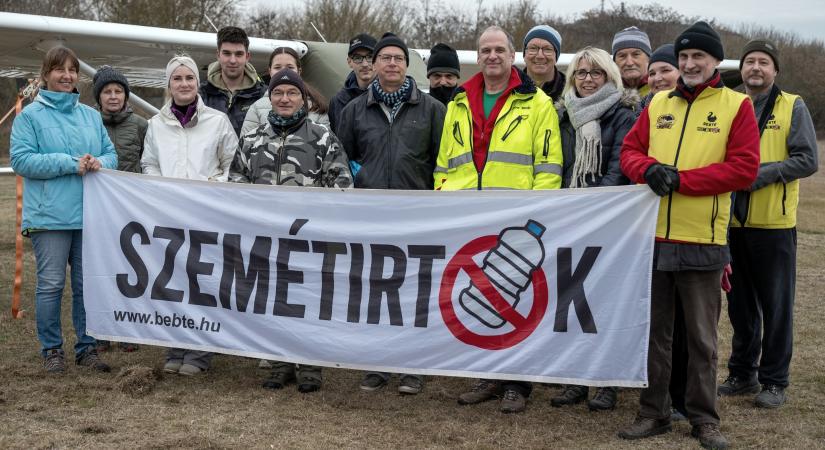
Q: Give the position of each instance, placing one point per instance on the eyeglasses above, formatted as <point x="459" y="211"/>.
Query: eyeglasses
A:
<point x="358" y="59"/>
<point x="547" y="51"/>
<point x="387" y="58"/>
<point x="595" y="74"/>
<point x="292" y="95"/>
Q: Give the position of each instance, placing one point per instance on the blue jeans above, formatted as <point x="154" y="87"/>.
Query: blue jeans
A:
<point x="52" y="251"/>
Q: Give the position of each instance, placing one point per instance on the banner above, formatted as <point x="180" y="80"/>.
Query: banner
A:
<point x="547" y="286"/>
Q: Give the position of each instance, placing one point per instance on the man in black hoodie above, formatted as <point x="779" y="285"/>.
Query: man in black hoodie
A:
<point x="359" y="58"/>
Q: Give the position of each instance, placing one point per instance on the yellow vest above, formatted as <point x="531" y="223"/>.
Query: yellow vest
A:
<point x="690" y="136"/>
<point x="774" y="206"/>
<point x="524" y="150"/>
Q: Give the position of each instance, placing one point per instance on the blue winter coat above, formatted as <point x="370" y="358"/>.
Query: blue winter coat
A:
<point x="47" y="140"/>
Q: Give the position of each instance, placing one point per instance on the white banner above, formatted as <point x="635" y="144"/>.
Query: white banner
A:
<point x="548" y="286"/>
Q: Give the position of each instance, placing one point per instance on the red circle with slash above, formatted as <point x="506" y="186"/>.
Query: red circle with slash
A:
<point x="523" y="325"/>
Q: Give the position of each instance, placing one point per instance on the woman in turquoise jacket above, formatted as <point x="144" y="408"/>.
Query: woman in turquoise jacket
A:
<point x="54" y="142"/>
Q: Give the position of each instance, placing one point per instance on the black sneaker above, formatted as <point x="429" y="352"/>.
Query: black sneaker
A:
<point x="734" y="385"/>
<point x="709" y="436"/>
<point x="604" y="400"/>
<point x="278" y="379"/>
<point x="772" y="396"/>
<point x="373" y="382"/>
<point x="572" y="394"/>
<point x="91" y="360"/>
<point x="54" y="362"/>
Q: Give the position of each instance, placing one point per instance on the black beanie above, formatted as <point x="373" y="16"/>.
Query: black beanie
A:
<point x="761" y="45"/>
<point x="391" y="40"/>
<point x="665" y="54"/>
<point x="700" y="36"/>
<point x="106" y="75"/>
<point x="287" y="76"/>
<point x="443" y="58"/>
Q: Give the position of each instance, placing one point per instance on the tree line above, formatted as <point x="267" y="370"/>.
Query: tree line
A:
<point x="422" y="23"/>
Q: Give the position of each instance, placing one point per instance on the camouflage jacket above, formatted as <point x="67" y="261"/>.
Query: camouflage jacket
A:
<point x="305" y="155"/>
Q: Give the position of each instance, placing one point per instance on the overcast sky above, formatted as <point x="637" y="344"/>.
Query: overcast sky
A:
<point x="805" y="17"/>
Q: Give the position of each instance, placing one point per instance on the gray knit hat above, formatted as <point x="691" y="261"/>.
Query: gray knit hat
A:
<point x="547" y="33"/>
<point x="631" y="37"/>
<point x="106" y="75"/>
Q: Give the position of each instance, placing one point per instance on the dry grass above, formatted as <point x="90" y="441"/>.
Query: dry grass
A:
<point x="226" y="408"/>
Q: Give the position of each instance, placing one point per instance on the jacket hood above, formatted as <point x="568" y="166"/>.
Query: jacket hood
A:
<point x="525" y="83"/>
<point x="213" y="75"/>
<point x="61" y="101"/>
<point x="630" y="98"/>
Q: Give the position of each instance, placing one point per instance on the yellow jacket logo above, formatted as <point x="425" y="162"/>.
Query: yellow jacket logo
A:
<point x="665" y="122"/>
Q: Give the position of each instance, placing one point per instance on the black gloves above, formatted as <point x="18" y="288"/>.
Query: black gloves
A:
<point x="662" y="179"/>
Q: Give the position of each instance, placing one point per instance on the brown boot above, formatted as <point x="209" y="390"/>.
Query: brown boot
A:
<point x="643" y="427"/>
<point x="709" y="436"/>
<point x="482" y="391"/>
<point x="512" y="402"/>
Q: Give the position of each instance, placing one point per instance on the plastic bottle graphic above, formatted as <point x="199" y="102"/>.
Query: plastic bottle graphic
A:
<point x="509" y="266"/>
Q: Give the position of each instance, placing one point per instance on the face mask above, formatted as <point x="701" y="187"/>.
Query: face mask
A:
<point x="442" y="93"/>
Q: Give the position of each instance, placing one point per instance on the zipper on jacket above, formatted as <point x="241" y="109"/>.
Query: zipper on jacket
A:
<point x="784" y="196"/>
<point x="281" y="152"/>
<point x="487" y="153"/>
<point x="713" y="213"/>
<point x="512" y="127"/>
<point x="675" y="162"/>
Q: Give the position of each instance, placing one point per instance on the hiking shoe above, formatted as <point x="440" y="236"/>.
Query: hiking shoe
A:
<point x="189" y="370"/>
<point x="265" y="364"/>
<point x="308" y="378"/>
<point x="372" y="382"/>
<point x="482" y="391"/>
<point x="54" y="362"/>
<point x="91" y="360"/>
<point x="410" y="385"/>
<point x="772" y="396"/>
<point x="571" y="395"/>
<point x="643" y="427"/>
<point x="172" y="366"/>
<point x="734" y="385"/>
<point x="278" y="379"/>
<point x="709" y="436"/>
<point x="604" y="400"/>
<point x="512" y="402"/>
<point x="676" y="415"/>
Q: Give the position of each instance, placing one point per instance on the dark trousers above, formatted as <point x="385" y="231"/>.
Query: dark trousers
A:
<point x="760" y="303"/>
<point x="678" y="371"/>
<point x="701" y="299"/>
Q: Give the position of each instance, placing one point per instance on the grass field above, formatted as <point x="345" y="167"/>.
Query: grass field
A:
<point x="227" y="408"/>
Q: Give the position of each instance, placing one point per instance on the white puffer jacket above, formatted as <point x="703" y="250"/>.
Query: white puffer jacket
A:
<point x="203" y="150"/>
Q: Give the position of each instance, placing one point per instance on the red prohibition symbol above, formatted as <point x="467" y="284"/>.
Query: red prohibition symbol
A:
<point x="523" y="326"/>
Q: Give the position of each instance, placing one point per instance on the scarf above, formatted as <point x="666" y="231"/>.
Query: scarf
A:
<point x="184" y="113"/>
<point x="393" y="100"/>
<point x="281" y="124"/>
<point x="584" y="114"/>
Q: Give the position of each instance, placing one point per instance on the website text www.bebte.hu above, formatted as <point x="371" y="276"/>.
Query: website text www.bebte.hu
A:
<point x="173" y="321"/>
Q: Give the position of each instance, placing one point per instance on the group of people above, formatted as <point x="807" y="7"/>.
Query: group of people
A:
<point x="725" y="164"/>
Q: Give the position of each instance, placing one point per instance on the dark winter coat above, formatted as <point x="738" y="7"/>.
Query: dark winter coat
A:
<point x="392" y="155"/>
<point x="347" y="93"/>
<point x="127" y="131"/>
<point x="615" y="124"/>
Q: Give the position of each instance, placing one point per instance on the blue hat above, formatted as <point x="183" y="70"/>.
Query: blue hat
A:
<point x="547" y="33"/>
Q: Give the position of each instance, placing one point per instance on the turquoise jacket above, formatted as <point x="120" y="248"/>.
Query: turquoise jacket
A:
<point x="47" y="140"/>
